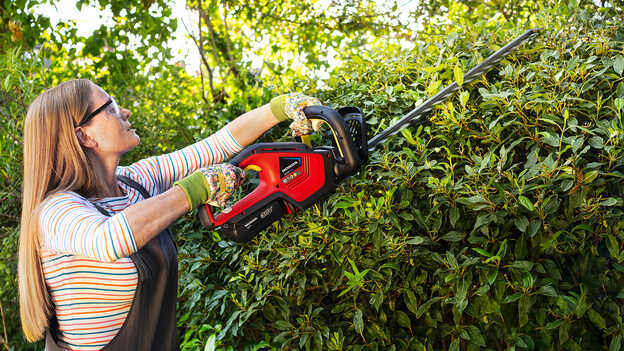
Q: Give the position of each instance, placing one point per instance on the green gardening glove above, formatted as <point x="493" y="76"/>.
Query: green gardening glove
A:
<point x="212" y="185"/>
<point x="290" y="106"/>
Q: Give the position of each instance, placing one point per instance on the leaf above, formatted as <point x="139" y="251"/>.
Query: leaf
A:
<point x="403" y="320"/>
<point x="547" y="290"/>
<point x="589" y="177"/>
<point x="453" y="236"/>
<point x="482" y="252"/>
<point x="463" y="97"/>
<point x="597" y="319"/>
<point x="512" y="298"/>
<point x="596" y="142"/>
<point x="211" y="343"/>
<point x="524" y="201"/>
<point x="616" y="343"/>
<point x="453" y="215"/>
<point x="454" y="345"/>
<point x="358" y="321"/>
<point x="521" y="223"/>
<point x="619" y="103"/>
<point x="524" y="305"/>
<point x="475" y="336"/>
<point x="534" y="226"/>
<point x="417" y="240"/>
<point x="425" y="307"/>
<point x="410" y="301"/>
<point x="523" y="265"/>
<point x="609" y="202"/>
<point x="377" y="299"/>
<point x="459" y="75"/>
<point x="618" y="64"/>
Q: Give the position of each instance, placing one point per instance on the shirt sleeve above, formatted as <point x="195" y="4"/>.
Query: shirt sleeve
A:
<point x="158" y="173"/>
<point x="70" y="224"/>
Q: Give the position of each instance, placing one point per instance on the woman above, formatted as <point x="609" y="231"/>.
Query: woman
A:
<point x="97" y="265"/>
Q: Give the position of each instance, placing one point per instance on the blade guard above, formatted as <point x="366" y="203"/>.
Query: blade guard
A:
<point x="280" y="193"/>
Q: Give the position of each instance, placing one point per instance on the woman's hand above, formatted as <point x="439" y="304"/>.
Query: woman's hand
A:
<point x="290" y="106"/>
<point x="212" y="185"/>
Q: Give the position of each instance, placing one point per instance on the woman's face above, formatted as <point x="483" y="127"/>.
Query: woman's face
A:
<point x="110" y="128"/>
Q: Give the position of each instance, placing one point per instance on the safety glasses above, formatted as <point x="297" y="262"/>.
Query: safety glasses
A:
<point x="112" y="106"/>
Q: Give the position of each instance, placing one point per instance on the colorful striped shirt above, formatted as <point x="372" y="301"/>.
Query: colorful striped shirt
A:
<point x="85" y="255"/>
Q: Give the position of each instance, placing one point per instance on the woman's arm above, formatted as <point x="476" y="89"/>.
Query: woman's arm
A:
<point x="158" y="173"/>
<point x="70" y="224"/>
<point x="149" y="217"/>
<point x="250" y="126"/>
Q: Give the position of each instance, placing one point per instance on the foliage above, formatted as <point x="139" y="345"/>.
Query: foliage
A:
<point x="497" y="224"/>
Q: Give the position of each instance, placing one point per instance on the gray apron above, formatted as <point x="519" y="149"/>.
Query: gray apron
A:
<point x="151" y="321"/>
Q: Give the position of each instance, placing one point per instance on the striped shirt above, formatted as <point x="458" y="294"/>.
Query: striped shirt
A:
<point x="85" y="255"/>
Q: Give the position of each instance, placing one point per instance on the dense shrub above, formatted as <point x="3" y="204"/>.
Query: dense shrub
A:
<point x="497" y="224"/>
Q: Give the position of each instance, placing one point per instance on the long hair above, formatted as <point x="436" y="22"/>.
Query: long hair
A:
<point x="53" y="161"/>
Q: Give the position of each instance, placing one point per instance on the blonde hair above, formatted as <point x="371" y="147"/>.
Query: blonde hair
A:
<point x="53" y="161"/>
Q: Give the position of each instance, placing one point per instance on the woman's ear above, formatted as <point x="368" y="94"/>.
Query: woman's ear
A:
<point x="84" y="139"/>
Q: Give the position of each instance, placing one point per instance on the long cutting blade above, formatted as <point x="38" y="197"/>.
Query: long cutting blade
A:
<point x="443" y="94"/>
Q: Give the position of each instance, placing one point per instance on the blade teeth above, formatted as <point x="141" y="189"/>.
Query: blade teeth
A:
<point x="468" y="77"/>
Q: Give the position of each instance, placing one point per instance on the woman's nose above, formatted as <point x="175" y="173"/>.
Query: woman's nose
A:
<point x="125" y="114"/>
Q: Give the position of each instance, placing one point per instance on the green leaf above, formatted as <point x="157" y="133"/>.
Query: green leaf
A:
<point x="512" y="298"/>
<point x="377" y="299"/>
<point x="596" y="142"/>
<point x="417" y="240"/>
<point x="619" y="104"/>
<point x="463" y="97"/>
<point x="403" y="319"/>
<point x="454" y="345"/>
<point x="425" y="307"/>
<point x="358" y="321"/>
<point x="524" y="305"/>
<point x="482" y="252"/>
<point x="521" y="223"/>
<point x="611" y="201"/>
<point x="211" y="343"/>
<point x="523" y="265"/>
<point x="547" y="290"/>
<point x="453" y="236"/>
<point x="524" y="201"/>
<point x="453" y="216"/>
<point x="459" y="75"/>
<point x="410" y="301"/>
<point x="618" y="64"/>
<point x="589" y="177"/>
<point x="475" y="336"/>
<point x="597" y="319"/>
<point x="534" y="226"/>
<point x="616" y="343"/>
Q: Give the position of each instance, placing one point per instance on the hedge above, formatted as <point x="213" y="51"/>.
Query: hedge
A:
<point x="497" y="224"/>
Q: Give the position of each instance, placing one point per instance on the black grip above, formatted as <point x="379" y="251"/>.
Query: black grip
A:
<point x="350" y="162"/>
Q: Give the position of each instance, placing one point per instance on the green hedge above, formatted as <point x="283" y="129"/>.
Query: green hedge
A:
<point x="498" y="224"/>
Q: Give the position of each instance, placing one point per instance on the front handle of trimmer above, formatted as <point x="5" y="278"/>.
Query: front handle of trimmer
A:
<point x="350" y="162"/>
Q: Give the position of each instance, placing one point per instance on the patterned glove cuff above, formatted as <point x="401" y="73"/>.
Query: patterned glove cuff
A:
<point x="277" y="107"/>
<point x="196" y="188"/>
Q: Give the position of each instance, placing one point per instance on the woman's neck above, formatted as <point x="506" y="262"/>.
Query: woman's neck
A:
<point x="106" y="180"/>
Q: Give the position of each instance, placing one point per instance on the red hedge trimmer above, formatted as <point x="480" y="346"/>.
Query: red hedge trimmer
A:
<point x="294" y="175"/>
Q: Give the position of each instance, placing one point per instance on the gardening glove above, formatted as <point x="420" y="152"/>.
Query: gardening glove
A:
<point x="290" y="106"/>
<point x="212" y="185"/>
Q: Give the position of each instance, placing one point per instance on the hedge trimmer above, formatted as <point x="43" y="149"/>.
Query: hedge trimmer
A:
<point x="294" y="175"/>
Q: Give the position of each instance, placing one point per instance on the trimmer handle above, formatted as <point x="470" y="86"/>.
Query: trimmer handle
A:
<point x="350" y="162"/>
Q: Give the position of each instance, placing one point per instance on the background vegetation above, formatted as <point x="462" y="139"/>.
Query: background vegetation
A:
<point x="498" y="224"/>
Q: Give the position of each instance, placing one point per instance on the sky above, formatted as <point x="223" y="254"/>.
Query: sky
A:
<point x="89" y="18"/>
